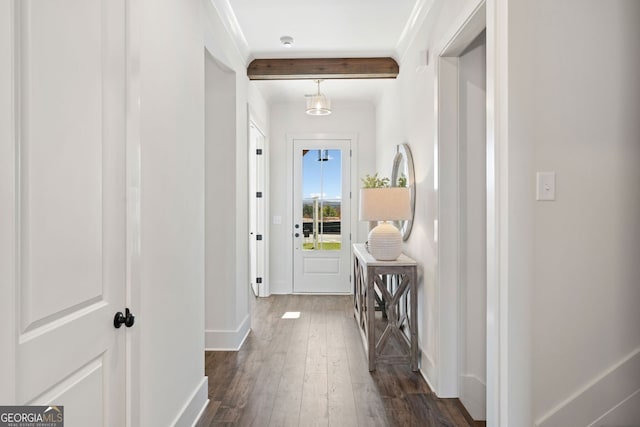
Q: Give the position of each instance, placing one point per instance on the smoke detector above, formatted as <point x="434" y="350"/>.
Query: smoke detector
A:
<point x="286" y="41"/>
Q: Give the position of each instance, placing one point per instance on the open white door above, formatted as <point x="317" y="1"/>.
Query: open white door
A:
<point x="65" y="205"/>
<point x="257" y="210"/>
<point x="322" y="216"/>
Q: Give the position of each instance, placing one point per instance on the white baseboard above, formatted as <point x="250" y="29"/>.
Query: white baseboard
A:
<point x="627" y="413"/>
<point x="473" y="395"/>
<point x="428" y="371"/>
<point x="601" y="397"/>
<point x="426" y="379"/>
<point x="194" y="407"/>
<point x="216" y="340"/>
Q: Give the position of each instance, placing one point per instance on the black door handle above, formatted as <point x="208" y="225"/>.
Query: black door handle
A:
<point x="128" y="319"/>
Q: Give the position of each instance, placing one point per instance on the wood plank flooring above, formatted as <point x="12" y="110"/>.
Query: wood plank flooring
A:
<point x="312" y="371"/>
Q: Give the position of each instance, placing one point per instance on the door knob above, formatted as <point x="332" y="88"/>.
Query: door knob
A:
<point x="128" y="319"/>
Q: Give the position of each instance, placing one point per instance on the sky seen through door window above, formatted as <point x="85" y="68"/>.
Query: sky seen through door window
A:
<point x="322" y="178"/>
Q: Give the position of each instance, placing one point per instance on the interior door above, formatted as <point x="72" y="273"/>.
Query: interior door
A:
<point x="67" y="204"/>
<point x="322" y="216"/>
<point x="257" y="210"/>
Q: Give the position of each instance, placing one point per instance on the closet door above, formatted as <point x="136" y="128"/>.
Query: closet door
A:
<point x="65" y="205"/>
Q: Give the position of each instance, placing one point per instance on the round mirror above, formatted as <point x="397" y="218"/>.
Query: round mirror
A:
<point x="402" y="175"/>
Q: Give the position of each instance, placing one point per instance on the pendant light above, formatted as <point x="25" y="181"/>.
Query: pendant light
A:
<point x="318" y="104"/>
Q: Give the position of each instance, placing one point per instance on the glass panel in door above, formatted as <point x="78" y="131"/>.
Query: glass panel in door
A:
<point x="322" y="199"/>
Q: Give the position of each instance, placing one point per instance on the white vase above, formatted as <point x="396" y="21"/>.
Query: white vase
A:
<point x="385" y="242"/>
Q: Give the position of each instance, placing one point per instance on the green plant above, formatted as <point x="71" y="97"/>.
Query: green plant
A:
<point x="329" y="211"/>
<point x="374" y="181"/>
<point x="402" y="181"/>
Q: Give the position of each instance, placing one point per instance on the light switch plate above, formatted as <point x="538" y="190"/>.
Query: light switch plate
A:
<point x="546" y="186"/>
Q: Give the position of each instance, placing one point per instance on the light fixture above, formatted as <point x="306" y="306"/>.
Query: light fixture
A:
<point x="318" y="104"/>
<point x="385" y="204"/>
<point x="287" y="41"/>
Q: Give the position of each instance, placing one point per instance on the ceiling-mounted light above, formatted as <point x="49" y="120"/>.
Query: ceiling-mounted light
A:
<point x="287" y="41"/>
<point x="318" y="104"/>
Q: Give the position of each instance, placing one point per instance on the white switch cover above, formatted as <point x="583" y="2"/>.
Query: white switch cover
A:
<point x="545" y="186"/>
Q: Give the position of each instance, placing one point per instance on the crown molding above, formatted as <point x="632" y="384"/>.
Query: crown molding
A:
<point x="230" y="22"/>
<point x="417" y="17"/>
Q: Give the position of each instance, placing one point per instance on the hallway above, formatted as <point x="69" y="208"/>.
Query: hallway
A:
<point x="313" y="371"/>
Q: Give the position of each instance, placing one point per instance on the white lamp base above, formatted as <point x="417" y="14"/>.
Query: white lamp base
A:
<point x="385" y="242"/>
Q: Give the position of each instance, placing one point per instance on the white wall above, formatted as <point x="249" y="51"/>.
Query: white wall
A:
<point x="583" y="109"/>
<point x="170" y="318"/>
<point x="472" y="149"/>
<point x="406" y="113"/>
<point x="221" y="198"/>
<point x="227" y="308"/>
<point x="568" y="101"/>
<point x="169" y="325"/>
<point x="290" y="118"/>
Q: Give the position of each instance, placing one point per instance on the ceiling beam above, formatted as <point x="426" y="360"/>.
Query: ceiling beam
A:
<point x="323" y="68"/>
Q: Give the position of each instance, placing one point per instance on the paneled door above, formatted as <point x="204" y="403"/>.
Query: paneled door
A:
<point x="322" y="216"/>
<point x="65" y="206"/>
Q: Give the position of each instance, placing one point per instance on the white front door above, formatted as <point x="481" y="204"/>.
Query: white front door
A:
<point x="66" y="206"/>
<point x="322" y="216"/>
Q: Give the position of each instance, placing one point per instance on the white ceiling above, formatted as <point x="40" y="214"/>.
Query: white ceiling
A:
<point x="326" y="28"/>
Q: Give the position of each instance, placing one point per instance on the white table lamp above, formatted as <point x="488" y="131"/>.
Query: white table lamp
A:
<point x="385" y="204"/>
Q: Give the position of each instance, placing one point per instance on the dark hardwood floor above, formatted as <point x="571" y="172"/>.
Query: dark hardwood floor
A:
<point x="312" y="371"/>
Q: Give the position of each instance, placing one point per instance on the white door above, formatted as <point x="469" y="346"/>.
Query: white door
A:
<point x="322" y="216"/>
<point x="257" y="210"/>
<point x="66" y="206"/>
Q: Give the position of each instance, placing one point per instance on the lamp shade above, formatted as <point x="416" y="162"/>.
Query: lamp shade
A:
<point x="385" y="204"/>
<point x="318" y="105"/>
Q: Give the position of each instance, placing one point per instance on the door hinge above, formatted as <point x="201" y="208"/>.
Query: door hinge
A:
<point x="258" y="236"/>
<point x="259" y="194"/>
<point x="258" y="151"/>
<point x="258" y="280"/>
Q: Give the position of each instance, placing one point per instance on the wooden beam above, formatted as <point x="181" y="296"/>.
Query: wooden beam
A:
<point x="323" y="68"/>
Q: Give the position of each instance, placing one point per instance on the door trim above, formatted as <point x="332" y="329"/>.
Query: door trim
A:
<point x="8" y="186"/>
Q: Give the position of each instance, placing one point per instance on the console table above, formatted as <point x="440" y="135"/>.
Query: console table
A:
<point x="393" y="284"/>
